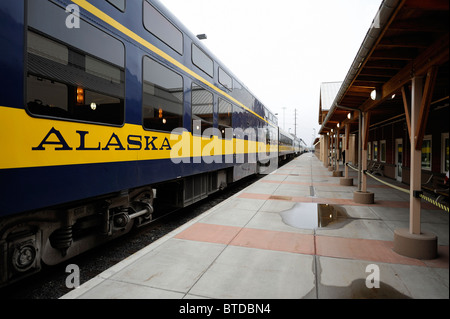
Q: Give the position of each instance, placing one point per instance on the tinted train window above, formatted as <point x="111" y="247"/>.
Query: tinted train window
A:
<point x="225" y="79"/>
<point x="162" y="97"/>
<point x="242" y="95"/>
<point x="284" y="140"/>
<point x="119" y="4"/>
<point x="225" y="116"/>
<point x="162" y="28"/>
<point x="203" y="61"/>
<point x="241" y="120"/>
<point x="202" y="109"/>
<point x="50" y="19"/>
<point x="65" y="83"/>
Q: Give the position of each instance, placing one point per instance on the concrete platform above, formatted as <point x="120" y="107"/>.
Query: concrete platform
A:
<point x="252" y="247"/>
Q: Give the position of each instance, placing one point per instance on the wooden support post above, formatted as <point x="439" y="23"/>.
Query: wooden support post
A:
<point x="347" y="139"/>
<point x="412" y="242"/>
<point x="366" y="123"/>
<point x="365" y="134"/>
<point x="406" y="95"/>
<point x="425" y="106"/>
<point x="330" y="144"/>
<point x="346" y="181"/>
<point x="330" y="149"/>
<point x="416" y="157"/>
<point x="363" y="196"/>
<point x="337" y="150"/>
<point x="321" y="142"/>
<point x="336" y="171"/>
<point x="326" y="151"/>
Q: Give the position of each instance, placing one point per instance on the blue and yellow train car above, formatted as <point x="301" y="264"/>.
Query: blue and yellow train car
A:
<point x="103" y="106"/>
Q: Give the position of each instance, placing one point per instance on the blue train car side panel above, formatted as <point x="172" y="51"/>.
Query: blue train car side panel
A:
<point x="11" y="59"/>
<point x="29" y="188"/>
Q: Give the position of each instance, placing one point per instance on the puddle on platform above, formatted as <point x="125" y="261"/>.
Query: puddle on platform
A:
<point x="312" y="216"/>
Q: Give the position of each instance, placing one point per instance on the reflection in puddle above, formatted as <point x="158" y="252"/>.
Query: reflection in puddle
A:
<point x="311" y="215"/>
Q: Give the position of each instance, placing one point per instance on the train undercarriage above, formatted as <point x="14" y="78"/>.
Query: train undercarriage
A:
<point x="52" y="236"/>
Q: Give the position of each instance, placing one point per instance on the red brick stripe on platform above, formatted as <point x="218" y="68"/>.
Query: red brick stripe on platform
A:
<point x="327" y="246"/>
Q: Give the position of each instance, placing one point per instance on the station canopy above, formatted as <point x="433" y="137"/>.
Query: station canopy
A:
<point x="406" y="39"/>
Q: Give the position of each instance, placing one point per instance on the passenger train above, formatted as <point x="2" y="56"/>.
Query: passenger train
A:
<point x="105" y="106"/>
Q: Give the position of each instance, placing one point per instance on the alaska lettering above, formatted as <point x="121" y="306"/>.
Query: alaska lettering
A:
<point x="88" y="143"/>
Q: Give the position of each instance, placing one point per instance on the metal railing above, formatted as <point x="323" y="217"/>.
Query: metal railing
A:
<point x="417" y="194"/>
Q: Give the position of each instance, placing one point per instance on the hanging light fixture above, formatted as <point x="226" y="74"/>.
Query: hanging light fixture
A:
<point x="375" y="95"/>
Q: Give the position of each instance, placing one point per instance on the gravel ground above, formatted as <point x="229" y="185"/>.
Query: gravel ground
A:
<point x="50" y="282"/>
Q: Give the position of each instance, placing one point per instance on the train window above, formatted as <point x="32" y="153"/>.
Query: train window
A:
<point x="225" y="79"/>
<point x="202" y="60"/>
<point x="243" y="95"/>
<point x="119" y="4"/>
<point x="48" y="49"/>
<point x="162" y="28"/>
<point x="162" y="97"/>
<point x="65" y="83"/>
<point x="42" y="92"/>
<point x="49" y="18"/>
<point x="102" y="70"/>
<point x="202" y="109"/>
<point x="225" y="112"/>
<point x="225" y="116"/>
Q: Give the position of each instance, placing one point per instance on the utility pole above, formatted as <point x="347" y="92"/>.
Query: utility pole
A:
<point x="313" y="138"/>
<point x="295" y="122"/>
<point x="284" y="118"/>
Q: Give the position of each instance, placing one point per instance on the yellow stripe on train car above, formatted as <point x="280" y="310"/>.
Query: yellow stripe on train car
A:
<point x="26" y="141"/>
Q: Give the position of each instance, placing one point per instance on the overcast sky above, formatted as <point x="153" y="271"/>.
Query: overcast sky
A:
<point x="282" y="50"/>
